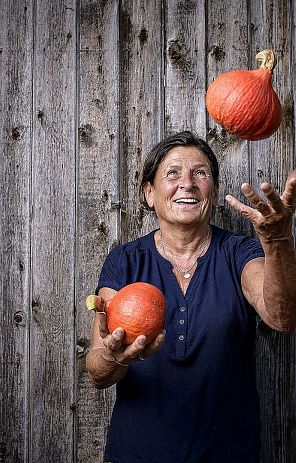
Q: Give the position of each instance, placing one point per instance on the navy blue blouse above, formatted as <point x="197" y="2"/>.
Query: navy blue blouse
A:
<point x="195" y="401"/>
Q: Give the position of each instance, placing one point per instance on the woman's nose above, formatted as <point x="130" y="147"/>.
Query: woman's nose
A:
<point x="186" y="181"/>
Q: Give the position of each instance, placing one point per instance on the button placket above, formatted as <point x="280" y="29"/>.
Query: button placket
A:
<point x="181" y="336"/>
<point x="181" y="327"/>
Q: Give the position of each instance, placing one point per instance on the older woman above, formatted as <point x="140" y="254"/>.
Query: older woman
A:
<point x="193" y="399"/>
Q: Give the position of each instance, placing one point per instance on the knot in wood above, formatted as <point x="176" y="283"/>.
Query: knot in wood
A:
<point x="15" y="133"/>
<point x="176" y="51"/>
<point x="143" y="36"/>
<point x="40" y="114"/>
<point x="85" y="134"/>
<point x="217" y="52"/>
<point x="19" y="318"/>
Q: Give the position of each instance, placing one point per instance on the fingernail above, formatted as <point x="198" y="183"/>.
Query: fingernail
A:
<point x="142" y="341"/>
<point x="119" y="332"/>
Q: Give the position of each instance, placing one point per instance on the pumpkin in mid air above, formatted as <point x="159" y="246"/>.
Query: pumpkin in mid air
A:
<point x="244" y="102"/>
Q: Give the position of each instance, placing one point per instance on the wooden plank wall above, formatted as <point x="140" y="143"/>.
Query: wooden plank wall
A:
<point x="16" y="42"/>
<point x="86" y="88"/>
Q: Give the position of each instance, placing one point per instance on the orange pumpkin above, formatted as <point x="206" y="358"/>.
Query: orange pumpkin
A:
<point x="244" y="102"/>
<point x="138" y="308"/>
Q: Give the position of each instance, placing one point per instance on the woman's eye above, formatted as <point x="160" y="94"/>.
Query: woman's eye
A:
<point x="173" y="174"/>
<point x="200" y="173"/>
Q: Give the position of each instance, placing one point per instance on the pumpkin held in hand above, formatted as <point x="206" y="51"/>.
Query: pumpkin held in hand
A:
<point x="138" y="308"/>
<point x="244" y="102"/>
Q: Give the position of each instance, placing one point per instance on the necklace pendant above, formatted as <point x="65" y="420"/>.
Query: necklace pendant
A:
<point x="186" y="275"/>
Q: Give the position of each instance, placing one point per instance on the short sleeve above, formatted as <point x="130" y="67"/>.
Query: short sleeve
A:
<point x="247" y="249"/>
<point x="110" y="273"/>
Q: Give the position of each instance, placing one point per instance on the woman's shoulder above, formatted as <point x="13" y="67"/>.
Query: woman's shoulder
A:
<point x="236" y="247"/>
<point x="228" y="237"/>
<point x="138" y="245"/>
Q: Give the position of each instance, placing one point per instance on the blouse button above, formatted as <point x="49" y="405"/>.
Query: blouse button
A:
<point x="182" y="309"/>
<point x="181" y="322"/>
<point x="181" y="337"/>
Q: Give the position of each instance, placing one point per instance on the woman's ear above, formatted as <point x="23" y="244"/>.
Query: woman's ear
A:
<point x="148" y="192"/>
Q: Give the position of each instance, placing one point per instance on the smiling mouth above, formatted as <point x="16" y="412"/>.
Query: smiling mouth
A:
<point x="187" y="201"/>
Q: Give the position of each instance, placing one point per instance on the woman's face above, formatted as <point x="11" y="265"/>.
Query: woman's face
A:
<point x="183" y="190"/>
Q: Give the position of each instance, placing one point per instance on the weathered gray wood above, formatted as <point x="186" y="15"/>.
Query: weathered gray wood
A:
<point x="141" y="104"/>
<point x="185" y="68"/>
<point x="98" y="200"/>
<point x="271" y="160"/>
<point x="276" y="370"/>
<point x="83" y="110"/>
<point x="53" y="233"/>
<point x="227" y="45"/>
<point x="15" y="154"/>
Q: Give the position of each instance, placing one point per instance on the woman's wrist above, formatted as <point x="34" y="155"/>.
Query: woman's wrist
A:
<point x="104" y="370"/>
<point x="108" y="357"/>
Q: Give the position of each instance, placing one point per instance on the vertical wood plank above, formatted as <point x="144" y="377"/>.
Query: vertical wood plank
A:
<point x="98" y="200"/>
<point x="53" y="233"/>
<point x="15" y="159"/>
<point x="271" y="160"/>
<point x="141" y="113"/>
<point x="274" y="157"/>
<point x="227" y="39"/>
<point x="185" y="66"/>
<point x="276" y="370"/>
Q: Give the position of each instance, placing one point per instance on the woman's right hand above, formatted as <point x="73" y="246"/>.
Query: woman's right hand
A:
<point x="107" y="359"/>
<point x="122" y="354"/>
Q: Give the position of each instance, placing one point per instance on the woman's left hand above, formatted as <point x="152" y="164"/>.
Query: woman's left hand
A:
<point x="271" y="218"/>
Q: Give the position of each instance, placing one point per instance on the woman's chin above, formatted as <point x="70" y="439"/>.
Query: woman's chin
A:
<point x="189" y="219"/>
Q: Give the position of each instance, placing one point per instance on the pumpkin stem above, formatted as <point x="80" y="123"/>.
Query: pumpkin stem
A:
<point x="96" y="303"/>
<point x="266" y="59"/>
<point x="102" y="308"/>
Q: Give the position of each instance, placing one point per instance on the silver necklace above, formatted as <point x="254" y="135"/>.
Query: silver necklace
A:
<point x="186" y="273"/>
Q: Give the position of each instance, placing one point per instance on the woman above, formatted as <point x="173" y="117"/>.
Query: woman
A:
<point x="190" y="396"/>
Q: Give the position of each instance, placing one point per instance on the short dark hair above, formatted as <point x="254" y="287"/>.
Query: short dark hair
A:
<point x="159" y="151"/>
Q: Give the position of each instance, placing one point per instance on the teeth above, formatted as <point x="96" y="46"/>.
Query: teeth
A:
<point x="187" y="200"/>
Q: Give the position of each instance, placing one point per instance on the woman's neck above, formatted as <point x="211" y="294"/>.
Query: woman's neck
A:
<point x="183" y="242"/>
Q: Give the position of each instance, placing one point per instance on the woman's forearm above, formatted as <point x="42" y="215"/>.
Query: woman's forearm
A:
<point x="279" y="285"/>
<point x="103" y="370"/>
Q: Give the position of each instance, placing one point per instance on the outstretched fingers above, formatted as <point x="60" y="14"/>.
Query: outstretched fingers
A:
<point x="273" y="201"/>
<point x="289" y="195"/>
<point x="256" y="201"/>
<point x="273" y="198"/>
<point x="241" y="208"/>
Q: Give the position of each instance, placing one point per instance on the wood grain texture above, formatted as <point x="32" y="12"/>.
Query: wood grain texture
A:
<point x="141" y="106"/>
<point x="98" y="200"/>
<point x="271" y="160"/>
<point x="15" y="161"/>
<point x="53" y="233"/>
<point x="81" y="104"/>
<point x="227" y="45"/>
<point x="276" y="370"/>
<point x="185" y="66"/>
